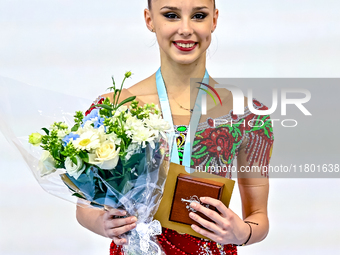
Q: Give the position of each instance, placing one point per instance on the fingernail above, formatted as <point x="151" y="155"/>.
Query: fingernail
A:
<point x="133" y="225"/>
<point x="122" y="212"/>
<point x="202" y="198"/>
<point x="191" y="214"/>
<point x="134" y="219"/>
<point x="193" y="205"/>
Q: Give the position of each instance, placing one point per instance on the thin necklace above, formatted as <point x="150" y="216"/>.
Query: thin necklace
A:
<point x="190" y="110"/>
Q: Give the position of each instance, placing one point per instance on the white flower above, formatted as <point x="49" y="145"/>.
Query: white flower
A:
<point x="87" y="141"/>
<point x="132" y="149"/>
<point x="143" y="135"/>
<point x="106" y="156"/>
<point x="113" y="138"/>
<point x="133" y="124"/>
<point x="46" y="164"/>
<point x="120" y="110"/>
<point x="87" y="127"/>
<point x="157" y="123"/>
<point x="75" y="170"/>
<point x="63" y="132"/>
<point x="101" y="133"/>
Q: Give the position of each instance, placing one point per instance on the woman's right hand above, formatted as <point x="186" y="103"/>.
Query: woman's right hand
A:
<point x="114" y="226"/>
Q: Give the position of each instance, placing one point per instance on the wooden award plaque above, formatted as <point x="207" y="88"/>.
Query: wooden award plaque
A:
<point x="164" y="210"/>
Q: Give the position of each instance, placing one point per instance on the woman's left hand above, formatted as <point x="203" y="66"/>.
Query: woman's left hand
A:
<point x="227" y="228"/>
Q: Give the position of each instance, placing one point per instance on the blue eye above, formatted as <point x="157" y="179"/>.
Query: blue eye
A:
<point x="199" y="16"/>
<point x="170" y="15"/>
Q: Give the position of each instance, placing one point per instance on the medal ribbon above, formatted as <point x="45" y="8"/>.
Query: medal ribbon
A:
<point x="194" y="120"/>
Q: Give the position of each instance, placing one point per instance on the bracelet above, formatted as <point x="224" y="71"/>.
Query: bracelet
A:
<point x="251" y="232"/>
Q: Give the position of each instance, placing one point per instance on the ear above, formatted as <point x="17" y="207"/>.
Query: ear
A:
<point x="216" y="13"/>
<point x="148" y="19"/>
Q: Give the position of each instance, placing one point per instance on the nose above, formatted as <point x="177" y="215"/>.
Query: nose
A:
<point x="185" y="27"/>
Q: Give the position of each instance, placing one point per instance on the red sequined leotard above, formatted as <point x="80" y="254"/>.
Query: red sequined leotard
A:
<point x="217" y="143"/>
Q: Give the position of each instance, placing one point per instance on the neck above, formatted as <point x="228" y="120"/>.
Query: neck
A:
<point x="177" y="76"/>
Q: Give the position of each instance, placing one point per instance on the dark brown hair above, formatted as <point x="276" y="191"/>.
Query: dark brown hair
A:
<point x="149" y="4"/>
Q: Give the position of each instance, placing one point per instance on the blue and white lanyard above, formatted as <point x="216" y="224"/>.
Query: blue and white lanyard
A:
<point x="194" y="120"/>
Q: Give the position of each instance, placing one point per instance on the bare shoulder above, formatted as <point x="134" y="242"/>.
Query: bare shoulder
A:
<point x="142" y="89"/>
<point x="225" y="94"/>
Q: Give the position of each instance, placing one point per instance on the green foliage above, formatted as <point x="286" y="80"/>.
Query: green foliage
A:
<point x="106" y="108"/>
<point x="70" y="151"/>
<point x="52" y="144"/>
<point x="142" y="112"/>
<point x="46" y="131"/>
<point x="59" y="126"/>
<point x="78" y="117"/>
<point x="117" y="92"/>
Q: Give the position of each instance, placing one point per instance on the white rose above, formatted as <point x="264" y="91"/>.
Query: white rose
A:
<point x="46" y="164"/>
<point x="105" y="157"/>
<point x="75" y="170"/>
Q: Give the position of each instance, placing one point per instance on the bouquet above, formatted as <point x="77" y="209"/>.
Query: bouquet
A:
<point x="113" y="156"/>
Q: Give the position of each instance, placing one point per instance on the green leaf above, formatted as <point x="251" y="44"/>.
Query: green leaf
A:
<point x="84" y="156"/>
<point x="113" y="178"/>
<point x="104" y="106"/>
<point x="133" y="160"/>
<point x="94" y="204"/>
<point x="100" y="185"/>
<point x="123" y="183"/>
<point x="55" y="154"/>
<point x="46" y="131"/>
<point x="78" y="195"/>
<point x="75" y="128"/>
<point x="102" y="172"/>
<point x="74" y="160"/>
<point x="129" y="99"/>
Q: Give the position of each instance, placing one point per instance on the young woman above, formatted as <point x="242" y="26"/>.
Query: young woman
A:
<point x="183" y="30"/>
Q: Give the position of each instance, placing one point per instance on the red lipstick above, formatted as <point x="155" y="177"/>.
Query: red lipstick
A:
<point x="176" y="43"/>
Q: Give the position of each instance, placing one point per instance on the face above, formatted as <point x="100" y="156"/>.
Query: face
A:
<point x="183" y="28"/>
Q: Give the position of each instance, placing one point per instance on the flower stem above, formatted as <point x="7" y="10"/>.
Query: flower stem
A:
<point x="120" y="91"/>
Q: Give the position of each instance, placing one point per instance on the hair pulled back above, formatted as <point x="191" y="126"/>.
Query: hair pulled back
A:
<point x="149" y="4"/>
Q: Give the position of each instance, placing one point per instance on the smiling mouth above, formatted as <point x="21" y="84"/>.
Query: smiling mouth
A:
<point x="185" y="46"/>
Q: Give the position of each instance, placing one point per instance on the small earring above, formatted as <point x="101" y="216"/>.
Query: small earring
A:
<point x="152" y="30"/>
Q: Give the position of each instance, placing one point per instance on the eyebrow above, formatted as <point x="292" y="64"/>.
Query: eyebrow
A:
<point x="176" y="9"/>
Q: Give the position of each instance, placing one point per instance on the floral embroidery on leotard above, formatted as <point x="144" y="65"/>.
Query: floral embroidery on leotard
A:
<point x="217" y="141"/>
